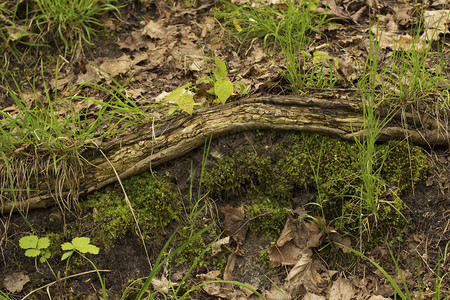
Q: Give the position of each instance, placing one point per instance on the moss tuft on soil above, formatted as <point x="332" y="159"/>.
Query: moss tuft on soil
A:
<point x="198" y="251"/>
<point x="404" y="166"/>
<point x="332" y="167"/>
<point x="154" y="201"/>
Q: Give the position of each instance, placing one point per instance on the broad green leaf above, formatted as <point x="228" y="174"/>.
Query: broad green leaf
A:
<point x="32" y="252"/>
<point x="67" y="246"/>
<point x="44" y="256"/>
<point x="83" y="244"/>
<point x="242" y="88"/>
<point x="223" y="90"/>
<point x="306" y="54"/>
<point x="221" y="69"/>
<point x="175" y="94"/>
<point x="28" y="242"/>
<point x="211" y="91"/>
<point x="43" y="243"/>
<point x="80" y="242"/>
<point x="90" y="249"/>
<point x="186" y="103"/>
<point x="66" y="255"/>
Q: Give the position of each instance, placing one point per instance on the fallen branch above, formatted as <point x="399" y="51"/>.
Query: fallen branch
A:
<point x="154" y="144"/>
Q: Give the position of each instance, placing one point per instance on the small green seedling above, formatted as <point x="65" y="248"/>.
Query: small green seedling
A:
<point x="82" y="245"/>
<point x="78" y="244"/>
<point x="36" y="247"/>
<point x="183" y="98"/>
<point x="222" y="88"/>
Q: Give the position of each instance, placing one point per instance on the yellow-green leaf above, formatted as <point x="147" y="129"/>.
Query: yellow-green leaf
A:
<point x="186" y="103"/>
<point x="221" y="69"/>
<point x="175" y="94"/>
<point x="28" y="242"/>
<point x="32" y="252"/>
<point x="66" y="255"/>
<point x="242" y="88"/>
<point x="67" y="246"/>
<point x="223" y="90"/>
<point x="43" y="243"/>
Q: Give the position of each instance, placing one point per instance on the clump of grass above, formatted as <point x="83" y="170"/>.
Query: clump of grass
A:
<point x="69" y="22"/>
<point x="290" y="30"/>
<point x="54" y="125"/>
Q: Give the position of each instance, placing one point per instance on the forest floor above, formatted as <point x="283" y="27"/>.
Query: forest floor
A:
<point x="161" y="47"/>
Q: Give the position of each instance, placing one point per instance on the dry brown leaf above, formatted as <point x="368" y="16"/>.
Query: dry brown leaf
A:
<point x="334" y="11"/>
<point x="304" y="274"/>
<point x="395" y="41"/>
<point x="17" y="32"/>
<point x="217" y="289"/>
<point x="231" y="262"/>
<point x="234" y="220"/>
<point x="161" y="285"/>
<point x="403" y="15"/>
<point x="314" y="234"/>
<point x="435" y="23"/>
<point x="296" y="240"/>
<point x="357" y="15"/>
<point x="14" y="283"/>
<point x="348" y="68"/>
<point x="341" y="289"/>
<point x="116" y="66"/>
<point x="310" y="296"/>
<point x="216" y="247"/>
<point x="378" y="297"/>
<point x="155" y="30"/>
<point x="336" y="237"/>
<point x="91" y="75"/>
<point x="275" y="294"/>
<point x="207" y="26"/>
<point x="290" y="231"/>
<point x="353" y="40"/>
<point x="287" y="255"/>
<point x="188" y="54"/>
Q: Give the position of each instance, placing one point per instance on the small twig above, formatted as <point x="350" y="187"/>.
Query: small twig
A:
<point x="56" y="281"/>
<point x="251" y="219"/>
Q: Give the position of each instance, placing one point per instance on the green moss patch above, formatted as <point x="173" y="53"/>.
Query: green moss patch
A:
<point x="332" y="167"/>
<point x="154" y="201"/>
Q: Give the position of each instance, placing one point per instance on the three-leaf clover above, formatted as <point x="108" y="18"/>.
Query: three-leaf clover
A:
<point x="36" y="247"/>
<point x="79" y="244"/>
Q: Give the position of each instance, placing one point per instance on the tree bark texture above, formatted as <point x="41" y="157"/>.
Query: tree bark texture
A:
<point x="153" y="144"/>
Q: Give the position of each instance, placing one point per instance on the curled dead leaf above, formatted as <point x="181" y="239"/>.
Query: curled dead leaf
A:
<point x="15" y="282"/>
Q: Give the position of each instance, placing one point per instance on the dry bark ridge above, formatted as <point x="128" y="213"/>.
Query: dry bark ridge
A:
<point x="154" y="144"/>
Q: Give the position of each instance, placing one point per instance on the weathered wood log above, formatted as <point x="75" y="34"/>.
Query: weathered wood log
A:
<point x="153" y="144"/>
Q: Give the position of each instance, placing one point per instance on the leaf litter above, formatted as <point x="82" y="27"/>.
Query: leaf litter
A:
<point x="164" y="53"/>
